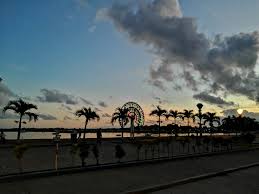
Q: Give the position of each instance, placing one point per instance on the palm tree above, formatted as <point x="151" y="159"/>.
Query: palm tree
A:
<point x="211" y="118"/>
<point x="158" y="112"/>
<point x="21" y="108"/>
<point x="228" y="124"/>
<point x="121" y="114"/>
<point x="173" y="113"/>
<point x="89" y="115"/>
<point x="188" y="114"/>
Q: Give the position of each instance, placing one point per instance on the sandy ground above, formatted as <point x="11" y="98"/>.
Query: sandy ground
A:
<point x="124" y="179"/>
<point x="40" y="158"/>
<point x="240" y="182"/>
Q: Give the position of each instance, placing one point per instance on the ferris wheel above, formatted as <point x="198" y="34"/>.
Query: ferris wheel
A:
<point x="135" y="112"/>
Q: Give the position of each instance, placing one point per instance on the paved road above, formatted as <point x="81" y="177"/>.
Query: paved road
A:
<point x="240" y="182"/>
<point x="129" y="178"/>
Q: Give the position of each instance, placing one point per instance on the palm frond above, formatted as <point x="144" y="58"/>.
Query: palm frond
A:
<point x="32" y="116"/>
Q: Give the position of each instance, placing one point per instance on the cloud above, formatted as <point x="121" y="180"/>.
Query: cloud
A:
<point x="11" y="115"/>
<point x="66" y="107"/>
<point x="224" y="65"/>
<point x="8" y="115"/>
<point x="205" y="97"/>
<point x="87" y="102"/>
<point x="160" y="101"/>
<point x="57" y="97"/>
<point x="102" y="104"/>
<point x="106" y="115"/>
<point x="97" y="109"/>
<point x="92" y="28"/>
<point x="157" y="83"/>
<point x="47" y="117"/>
<point x="230" y="112"/>
<point x="5" y="93"/>
<point x="67" y="118"/>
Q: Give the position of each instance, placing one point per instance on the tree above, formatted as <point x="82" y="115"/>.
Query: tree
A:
<point x="73" y="151"/>
<point x="84" y="152"/>
<point x="173" y="113"/>
<point x="228" y="124"/>
<point x="89" y="116"/>
<point x="119" y="152"/>
<point x="121" y="114"/>
<point x="188" y="114"/>
<point x="21" y="108"/>
<point x="158" y="112"/>
<point x="95" y="151"/>
<point x="19" y="150"/>
<point x="211" y="118"/>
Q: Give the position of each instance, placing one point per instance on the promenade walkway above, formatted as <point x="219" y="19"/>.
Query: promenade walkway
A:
<point x="120" y="180"/>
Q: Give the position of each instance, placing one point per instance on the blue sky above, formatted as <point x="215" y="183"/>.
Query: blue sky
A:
<point x="58" y="44"/>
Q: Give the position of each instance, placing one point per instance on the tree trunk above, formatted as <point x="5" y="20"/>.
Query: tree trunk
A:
<point x="122" y="129"/>
<point x="86" y="121"/>
<point x="188" y="123"/>
<point x="19" y="129"/>
<point x="159" y="126"/>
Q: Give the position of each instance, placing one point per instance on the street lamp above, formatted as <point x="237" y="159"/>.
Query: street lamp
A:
<point x="56" y="140"/>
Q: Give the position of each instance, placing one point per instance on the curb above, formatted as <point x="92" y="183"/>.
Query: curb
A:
<point x="79" y="169"/>
<point x="189" y="180"/>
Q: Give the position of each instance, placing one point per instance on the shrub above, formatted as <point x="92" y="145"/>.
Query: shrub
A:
<point x="19" y="150"/>
<point x="84" y="152"/>
<point x="95" y="151"/>
<point x="249" y="138"/>
<point x="119" y="152"/>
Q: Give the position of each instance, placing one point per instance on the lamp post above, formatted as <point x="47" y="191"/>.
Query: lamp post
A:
<point x="56" y="140"/>
<point x="199" y="106"/>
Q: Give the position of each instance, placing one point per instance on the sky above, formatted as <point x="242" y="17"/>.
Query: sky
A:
<point x="66" y="54"/>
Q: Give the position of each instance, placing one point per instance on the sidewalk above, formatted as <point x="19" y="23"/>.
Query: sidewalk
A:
<point x="120" y="180"/>
<point x="240" y="182"/>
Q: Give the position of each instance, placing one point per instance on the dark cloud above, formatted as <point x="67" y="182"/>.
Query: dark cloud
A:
<point x="87" y="102"/>
<point x="106" y="115"/>
<point x="67" y="118"/>
<point x="11" y="115"/>
<point x="97" y="109"/>
<point x="102" y="104"/>
<point x="223" y="64"/>
<point x="5" y="94"/>
<point x="57" y="97"/>
<point x="230" y="112"/>
<point x="66" y="107"/>
<point x="205" y="97"/>
<point x="157" y="83"/>
<point x="47" y="117"/>
<point x="8" y="115"/>
<point x="160" y="100"/>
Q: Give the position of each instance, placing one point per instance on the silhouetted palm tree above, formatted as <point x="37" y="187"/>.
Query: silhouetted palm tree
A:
<point x="89" y="115"/>
<point x="211" y="118"/>
<point x="228" y="124"/>
<point x="121" y="114"/>
<point x="158" y="112"/>
<point x="188" y="114"/>
<point x="21" y="108"/>
<point x="173" y="113"/>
